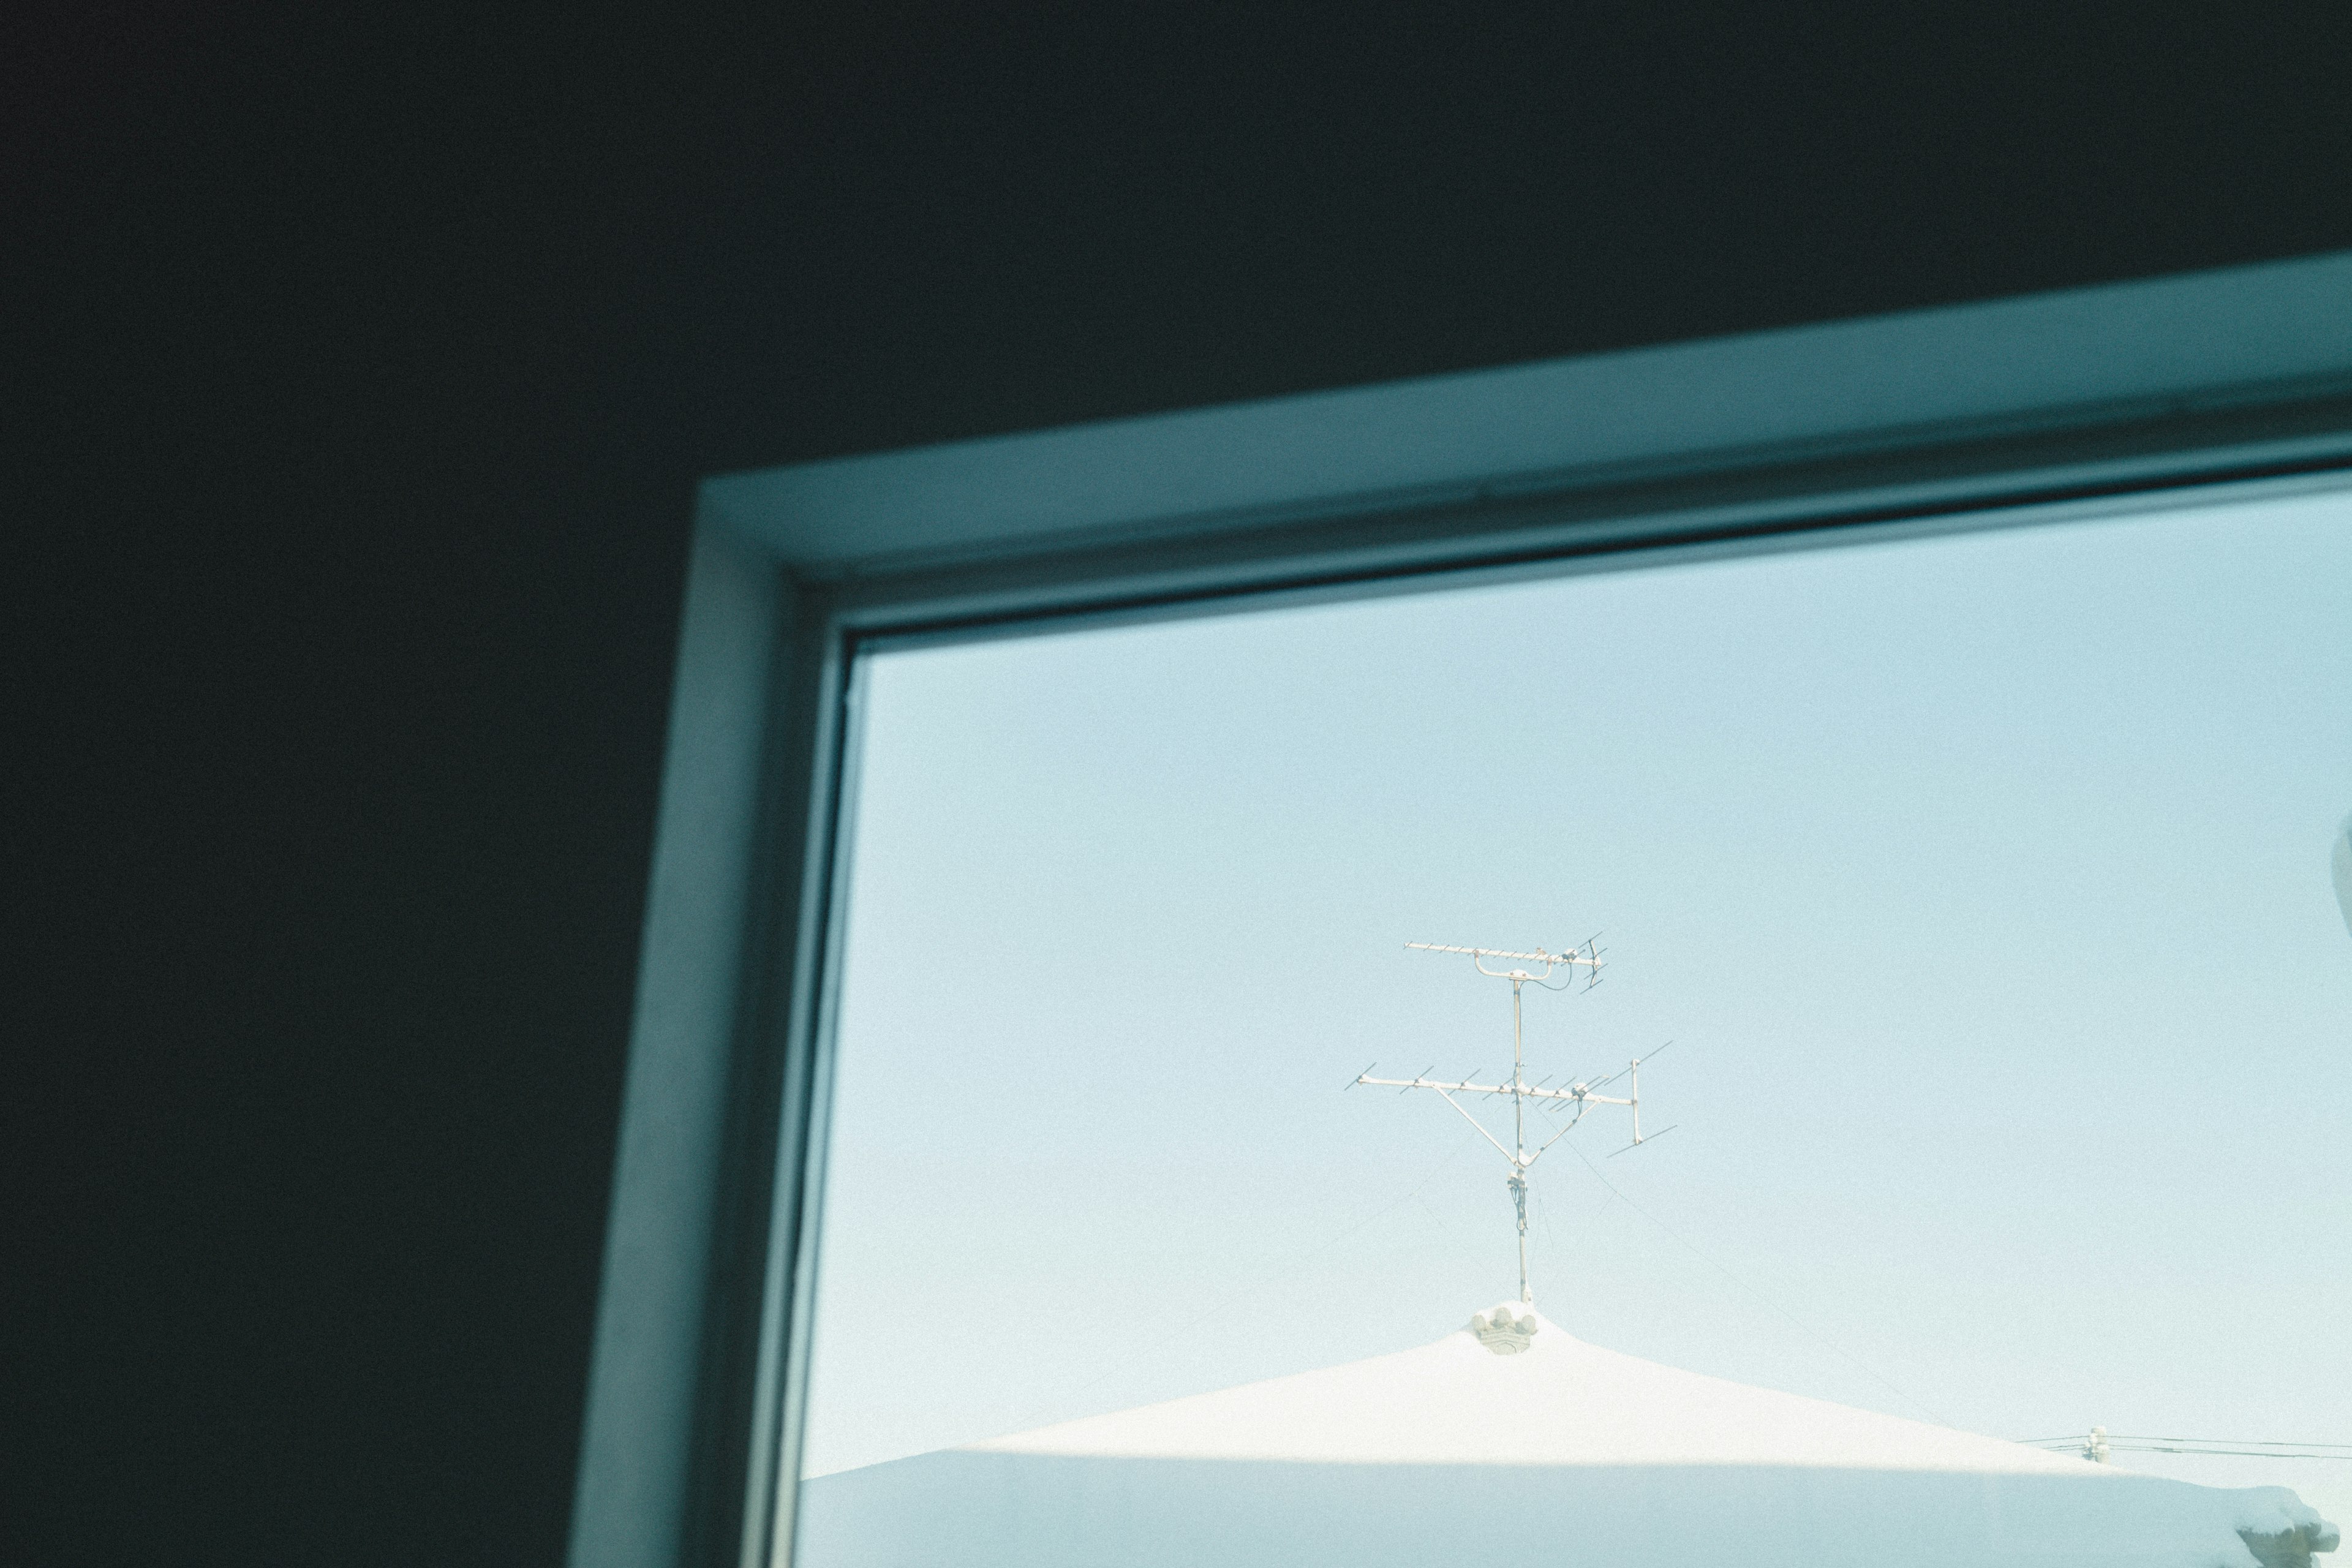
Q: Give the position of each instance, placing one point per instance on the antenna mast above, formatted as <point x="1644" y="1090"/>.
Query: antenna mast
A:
<point x="1580" y="1097"/>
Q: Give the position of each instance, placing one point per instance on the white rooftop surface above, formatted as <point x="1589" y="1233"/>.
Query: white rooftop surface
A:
<point x="1559" y="1402"/>
<point x="1562" y="1452"/>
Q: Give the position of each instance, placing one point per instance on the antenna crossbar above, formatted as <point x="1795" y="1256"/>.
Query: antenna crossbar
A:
<point x="1578" y="956"/>
<point x="1530" y="1091"/>
<point x="1580" y="1095"/>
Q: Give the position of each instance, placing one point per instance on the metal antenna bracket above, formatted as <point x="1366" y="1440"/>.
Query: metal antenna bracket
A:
<point x="1575" y="1098"/>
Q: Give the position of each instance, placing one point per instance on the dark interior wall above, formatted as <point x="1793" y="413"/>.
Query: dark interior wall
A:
<point x="357" y="376"/>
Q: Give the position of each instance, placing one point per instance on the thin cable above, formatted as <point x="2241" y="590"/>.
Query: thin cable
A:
<point x="2152" y="1437"/>
<point x="1163" y="1341"/>
<point x="2236" y="1452"/>
<point x="1906" y="1396"/>
<point x="2235" y="1442"/>
<point x="2254" y="1449"/>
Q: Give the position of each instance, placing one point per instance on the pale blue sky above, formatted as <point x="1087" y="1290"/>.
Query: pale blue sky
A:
<point x="1981" y="881"/>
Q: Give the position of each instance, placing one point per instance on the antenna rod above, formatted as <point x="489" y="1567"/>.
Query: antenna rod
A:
<point x="1519" y="1141"/>
<point x="1520" y="1091"/>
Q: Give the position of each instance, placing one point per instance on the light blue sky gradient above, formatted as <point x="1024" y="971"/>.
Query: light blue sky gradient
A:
<point x="1981" y="881"/>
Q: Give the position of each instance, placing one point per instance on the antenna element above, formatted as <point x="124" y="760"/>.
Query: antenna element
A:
<point x="1577" y="1098"/>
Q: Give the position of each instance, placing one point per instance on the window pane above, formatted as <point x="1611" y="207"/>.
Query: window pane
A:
<point x="1982" y="884"/>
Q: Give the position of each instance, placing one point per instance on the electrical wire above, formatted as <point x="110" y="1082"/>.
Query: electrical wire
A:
<point x="2235" y="1448"/>
<point x="2240" y="1453"/>
<point x="1162" y="1341"/>
<point x="1801" y="1327"/>
<point x="2230" y="1442"/>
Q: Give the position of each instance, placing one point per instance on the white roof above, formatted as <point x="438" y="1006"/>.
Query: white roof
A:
<point x="1510" y="1439"/>
<point x="1559" y="1402"/>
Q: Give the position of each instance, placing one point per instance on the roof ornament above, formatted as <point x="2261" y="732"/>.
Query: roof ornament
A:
<point x="1501" y="1332"/>
<point x="1574" y="1101"/>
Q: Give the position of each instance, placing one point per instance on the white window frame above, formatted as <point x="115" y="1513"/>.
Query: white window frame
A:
<point x="1992" y="413"/>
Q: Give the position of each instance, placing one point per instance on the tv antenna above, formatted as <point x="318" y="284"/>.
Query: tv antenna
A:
<point x="1576" y="1099"/>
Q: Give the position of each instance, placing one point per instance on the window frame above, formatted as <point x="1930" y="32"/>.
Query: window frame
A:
<point x="1998" y="414"/>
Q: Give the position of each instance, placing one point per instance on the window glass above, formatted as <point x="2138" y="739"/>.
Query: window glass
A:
<point x="1982" y="884"/>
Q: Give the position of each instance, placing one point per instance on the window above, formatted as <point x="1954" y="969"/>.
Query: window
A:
<point x="1905" y="843"/>
<point x="1981" y="882"/>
